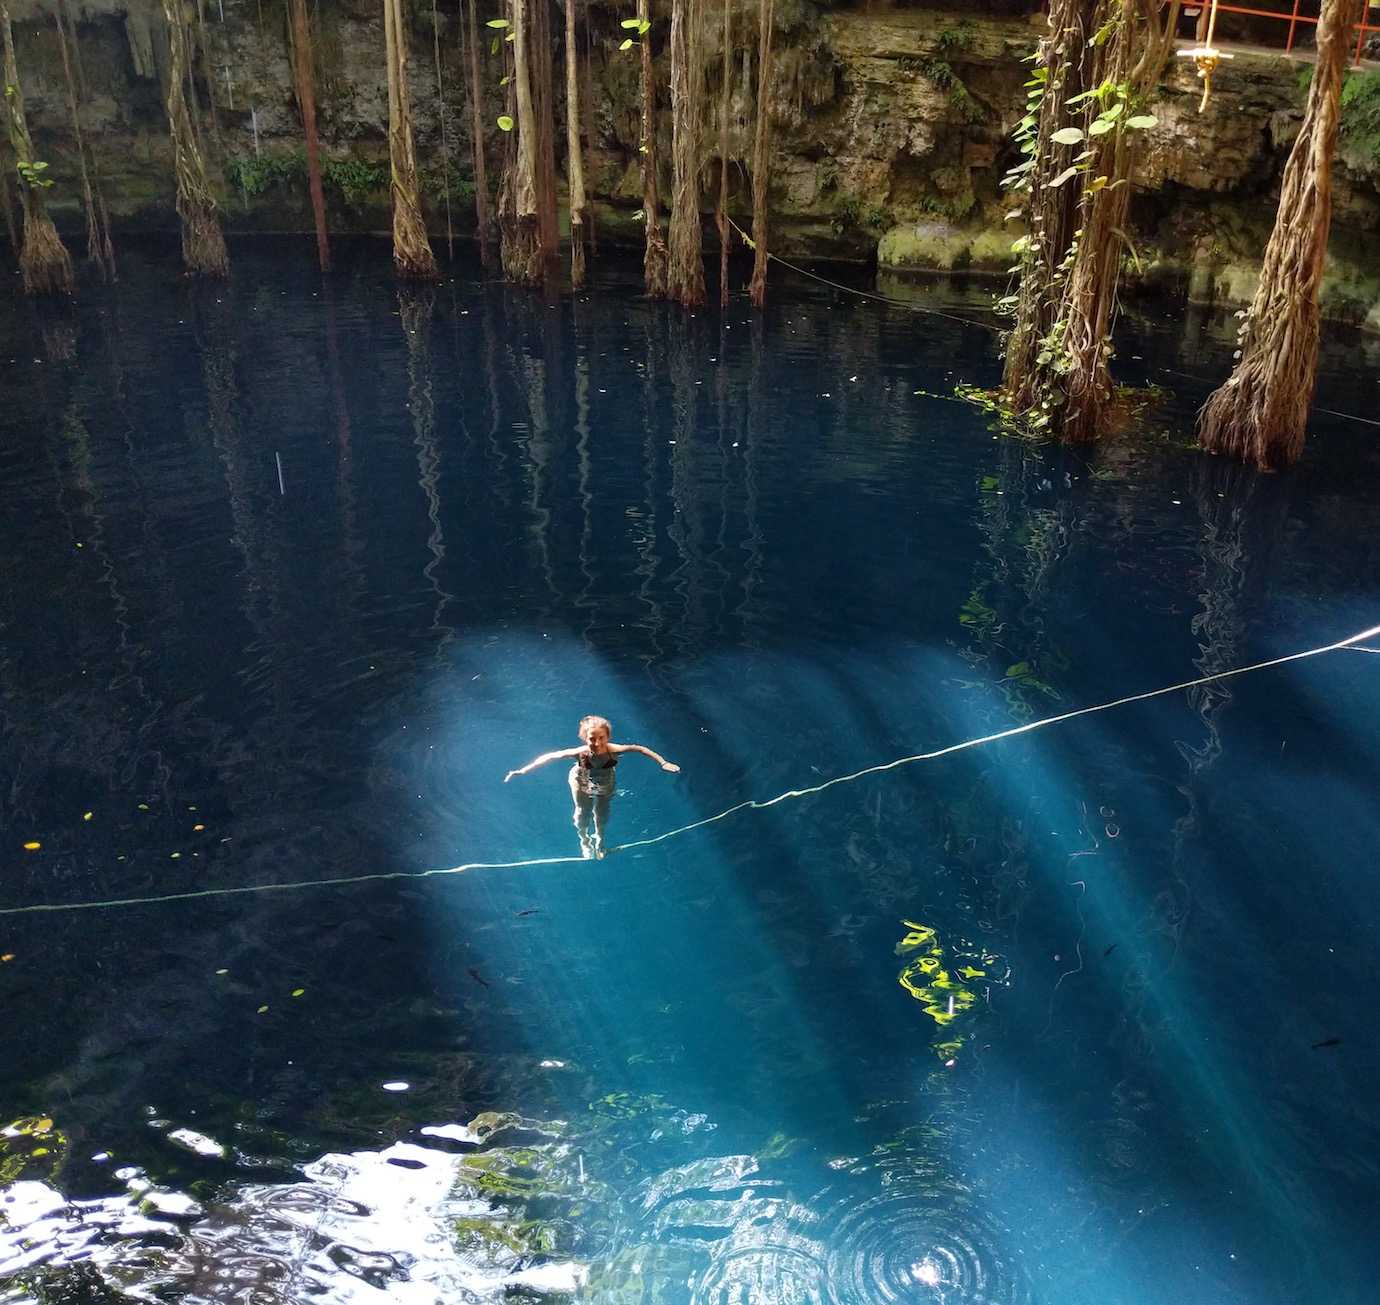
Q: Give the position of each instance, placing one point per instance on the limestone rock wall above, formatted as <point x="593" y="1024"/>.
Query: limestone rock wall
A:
<point x="892" y="131"/>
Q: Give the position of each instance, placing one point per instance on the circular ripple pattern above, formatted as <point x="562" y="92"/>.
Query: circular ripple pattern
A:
<point x="882" y="1236"/>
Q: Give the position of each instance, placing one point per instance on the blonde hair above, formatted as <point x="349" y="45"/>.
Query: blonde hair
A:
<point x="588" y="723"/>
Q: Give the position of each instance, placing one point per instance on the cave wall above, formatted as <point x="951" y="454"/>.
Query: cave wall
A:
<point x="892" y="132"/>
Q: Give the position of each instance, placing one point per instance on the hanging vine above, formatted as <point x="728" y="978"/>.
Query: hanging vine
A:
<point x="1261" y="413"/>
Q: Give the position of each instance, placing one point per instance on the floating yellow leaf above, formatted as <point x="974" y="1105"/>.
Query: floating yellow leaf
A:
<point x="143" y="806"/>
<point x="43" y="1125"/>
<point x="297" y="992"/>
<point x="32" y="846"/>
<point x="172" y="856"/>
<point x="968" y="972"/>
<point x="196" y="829"/>
<point x="7" y="957"/>
<point x="86" y="815"/>
<point x="222" y="971"/>
<point x="261" y="1010"/>
<point x="40" y="1150"/>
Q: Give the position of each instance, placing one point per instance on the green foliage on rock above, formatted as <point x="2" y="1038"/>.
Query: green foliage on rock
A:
<point x="1361" y="118"/>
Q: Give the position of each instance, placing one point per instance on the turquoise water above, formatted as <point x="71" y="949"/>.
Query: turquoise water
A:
<point x="295" y="573"/>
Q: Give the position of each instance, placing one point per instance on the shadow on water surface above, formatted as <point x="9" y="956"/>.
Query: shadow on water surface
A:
<point x="308" y="566"/>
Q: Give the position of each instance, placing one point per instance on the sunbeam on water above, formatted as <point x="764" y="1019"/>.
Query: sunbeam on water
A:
<point x="963" y="962"/>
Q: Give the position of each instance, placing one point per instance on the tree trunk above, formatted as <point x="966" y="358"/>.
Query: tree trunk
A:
<point x="574" y="158"/>
<point x="43" y="259"/>
<point x="655" y="256"/>
<point x="483" y="217"/>
<point x="721" y="217"/>
<point x="306" y="101"/>
<point x="587" y="123"/>
<point x="203" y="244"/>
<point x="685" y="270"/>
<point x="412" y="256"/>
<point x="1261" y="413"/>
<point x="761" y="161"/>
<point x="1050" y="212"/>
<point x="445" y="131"/>
<point x="7" y="203"/>
<point x="541" y="67"/>
<point x="522" y="252"/>
<point x="1067" y="386"/>
<point x="98" y="247"/>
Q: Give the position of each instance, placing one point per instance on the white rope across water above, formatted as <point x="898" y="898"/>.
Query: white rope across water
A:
<point x="753" y="804"/>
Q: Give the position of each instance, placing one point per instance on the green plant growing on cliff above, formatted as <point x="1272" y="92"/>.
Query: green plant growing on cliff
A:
<point x="253" y="174"/>
<point x="1360" y="116"/>
<point x="355" y="179"/>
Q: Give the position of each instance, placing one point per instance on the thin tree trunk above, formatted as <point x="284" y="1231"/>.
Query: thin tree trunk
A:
<point x="98" y="246"/>
<point x="541" y="68"/>
<point x="761" y="161"/>
<point x="482" y="215"/>
<point x="655" y="256"/>
<point x="1261" y="413"/>
<point x="685" y="271"/>
<point x="97" y="184"/>
<point x="574" y="158"/>
<point x="724" y="96"/>
<point x="522" y="252"/>
<point x="445" y="134"/>
<point x="587" y="122"/>
<point x="203" y="243"/>
<point x="306" y="100"/>
<point x="43" y="259"/>
<point x="412" y="256"/>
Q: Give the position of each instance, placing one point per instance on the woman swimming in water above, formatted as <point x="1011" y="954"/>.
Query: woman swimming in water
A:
<point x="591" y="778"/>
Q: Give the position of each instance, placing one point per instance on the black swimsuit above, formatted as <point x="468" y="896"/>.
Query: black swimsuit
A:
<point x="595" y="779"/>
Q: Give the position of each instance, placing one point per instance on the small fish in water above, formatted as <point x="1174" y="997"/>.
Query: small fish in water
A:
<point x="479" y="978"/>
<point x="534" y="910"/>
<point x="1327" y="1042"/>
<point x="1111" y="949"/>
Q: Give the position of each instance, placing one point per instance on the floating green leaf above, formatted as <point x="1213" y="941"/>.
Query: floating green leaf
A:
<point x="497" y="22"/>
<point x="505" y="123"/>
<point x="625" y="44"/>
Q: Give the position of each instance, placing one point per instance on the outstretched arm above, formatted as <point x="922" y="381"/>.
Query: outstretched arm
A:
<point x="542" y="760"/>
<point x="646" y="752"/>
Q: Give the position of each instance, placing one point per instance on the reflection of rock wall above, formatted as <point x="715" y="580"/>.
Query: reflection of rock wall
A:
<point x="893" y="131"/>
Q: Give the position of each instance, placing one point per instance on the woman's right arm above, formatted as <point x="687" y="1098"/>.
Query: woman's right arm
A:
<point x="542" y="760"/>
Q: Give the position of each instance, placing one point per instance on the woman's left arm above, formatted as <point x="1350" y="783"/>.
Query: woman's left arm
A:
<point x="646" y="752"/>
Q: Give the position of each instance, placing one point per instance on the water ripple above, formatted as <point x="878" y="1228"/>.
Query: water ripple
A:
<point x="889" y="1235"/>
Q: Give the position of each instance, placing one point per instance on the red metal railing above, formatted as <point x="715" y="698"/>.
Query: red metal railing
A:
<point x="1297" y="16"/>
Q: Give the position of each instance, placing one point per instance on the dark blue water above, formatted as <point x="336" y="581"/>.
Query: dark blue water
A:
<point x="293" y="574"/>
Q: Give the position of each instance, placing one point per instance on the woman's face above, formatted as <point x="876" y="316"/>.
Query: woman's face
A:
<point x="597" y="737"/>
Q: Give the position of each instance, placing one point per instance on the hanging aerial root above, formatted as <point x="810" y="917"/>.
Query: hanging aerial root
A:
<point x="752" y="804"/>
<point x="203" y="242"/>
<point x="44" y="262"/>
